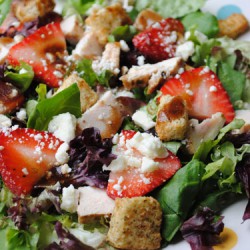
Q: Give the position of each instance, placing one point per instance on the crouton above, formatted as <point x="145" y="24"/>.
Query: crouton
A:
<point x="150" y="74"/>
<point x="88" y="97"/>
<point x="172" y="118"/>
<point x="233" y="26"/>
<point x="110" y="59"/>
<point x="106" y="115"/>
<point x="208" y="129"/>
<point x="146" y="18"/>
<point x="105" y="20"/>
<point x="135" y="224"/>
<point x="93" y="204"/>
<point x="28" y="10"/>
<point x="87" y="47"/>
<point x="72" y="29"/>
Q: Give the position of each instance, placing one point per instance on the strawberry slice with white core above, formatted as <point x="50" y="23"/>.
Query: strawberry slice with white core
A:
<point x="203" y="93"/>
<point x="134" y="172"/>
<point x="25" y="156"/>
<point x="44" y="50"/>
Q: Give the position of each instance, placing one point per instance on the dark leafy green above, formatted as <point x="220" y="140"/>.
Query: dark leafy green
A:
<point x="202" y="21"/>
<point x="178" y="196"/>
<point x="21" y="76"/>
<point x="67" y="100"/>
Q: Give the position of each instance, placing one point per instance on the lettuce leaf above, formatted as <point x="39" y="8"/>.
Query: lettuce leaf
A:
<point x="4" y="9"/>
<point x="203" y="22"/>
<point x="21" y="76"/>
<point x="178" y="196"/>
<point x="67" y="100"/>
<point x="170" y="8"/>
<point x="126" y="33"/>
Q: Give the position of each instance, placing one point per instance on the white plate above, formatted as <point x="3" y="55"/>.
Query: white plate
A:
<point x="238" y="232"/>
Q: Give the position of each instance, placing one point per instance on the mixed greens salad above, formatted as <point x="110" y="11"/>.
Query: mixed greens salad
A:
<point x="52" y="82"/>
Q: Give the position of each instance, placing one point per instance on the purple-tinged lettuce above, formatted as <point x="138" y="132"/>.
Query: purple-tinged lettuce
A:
<point x="88" y="153"/>
<point x="202" y="230"/>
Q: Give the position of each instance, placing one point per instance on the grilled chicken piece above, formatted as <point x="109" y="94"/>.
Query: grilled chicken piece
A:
<point x="10" y="98"/>
<point x="102" y="22"/>
<point x="72" y="29"/>
<point x="87" y="47"/>
<point x="152" y="74"/>
<point x="172" y="118"/>
<point x="5" y="44"/>
<point x="208" y="129"/>
<point x="110" y="59"/>
<point x="106" y="115"/>
<point x="93" y="203"/>
<point x="146" y="18"/>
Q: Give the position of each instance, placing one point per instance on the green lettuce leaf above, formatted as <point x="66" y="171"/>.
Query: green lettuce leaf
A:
<point x="85" y="70"/>
<point x="21" y="76"/>
<point x="170" y="8"/>
<point x="178" y="196"/>
<point x="202" y="21"/>
<point x="67" y="100"/>
<point x="4" y="9"/>
<point x="126" y="33"/>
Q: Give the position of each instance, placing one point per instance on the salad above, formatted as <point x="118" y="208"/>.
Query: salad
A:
<point x="123" y="124"/>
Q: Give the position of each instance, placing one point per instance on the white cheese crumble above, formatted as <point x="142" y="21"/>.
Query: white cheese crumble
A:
<point x="62" y="156"/>
<point x="185" y="50"/>
<point x="63" y="126"/>
<point x="65" y="169"/>
<point x="148" y="165"/>
<point x="5" y="122"/>
<point x="148" y="145"/>
<point x="143" y="120"/>
<point x="124" y="46"/>
<point x="69" y="199"/>
<point x="21" y="114"/>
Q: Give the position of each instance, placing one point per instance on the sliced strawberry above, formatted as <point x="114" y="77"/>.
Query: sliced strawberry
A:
<point x="44" y="50"/>
<point x="131" y="182"/>
<point x="25" y="156"/>
<point x="203" y="93"/>
<point x="159" y="42"/>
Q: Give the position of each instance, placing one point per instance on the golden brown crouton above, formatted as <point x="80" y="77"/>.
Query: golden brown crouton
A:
<point x="233" y="26"/>
<point x="88" y="97"/>
<point x="172" y="118"/>
<point x="146" y="18"/>
<point x="28" y="10"/>
<point x="105" y="20"/>
<point x="150" y="74"/>
<point x="135" y="224"/>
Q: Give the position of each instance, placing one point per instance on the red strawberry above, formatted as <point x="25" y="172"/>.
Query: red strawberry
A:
<point x="131" y="182"/>
<point x="203" y="93"/>
<point x="44" y="51"/>
<point x="159" y="41"/>
<point x="25" y="156"/>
